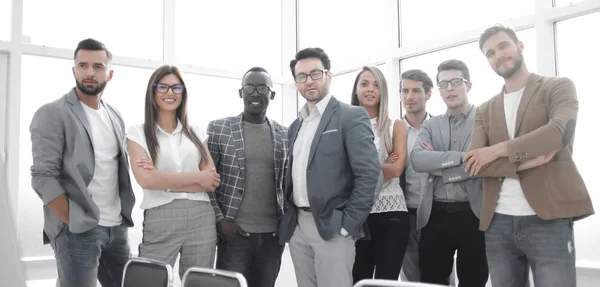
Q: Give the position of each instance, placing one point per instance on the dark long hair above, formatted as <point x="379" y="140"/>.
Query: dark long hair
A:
<point x="181" y="113"/>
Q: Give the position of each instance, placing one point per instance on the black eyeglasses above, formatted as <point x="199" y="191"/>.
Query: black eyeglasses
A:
<point x="315" y="75"/>
<point x="454" y="82"/>
<point x="261" y="89"/>
<point x="163" y="88"/>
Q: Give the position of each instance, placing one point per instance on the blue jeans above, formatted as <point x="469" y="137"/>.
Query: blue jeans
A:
<point x="515" y="243"/>
<point x="99" y="254"/>
<point x="257" y="257"/>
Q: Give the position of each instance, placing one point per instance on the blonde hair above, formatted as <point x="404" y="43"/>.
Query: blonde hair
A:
<point x="383" y="119"/>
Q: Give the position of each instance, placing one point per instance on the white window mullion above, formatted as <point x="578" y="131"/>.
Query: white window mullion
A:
<point x="13" y="107"/>
<point x="545" y="40"/>
<point x="392" y="70"/>
<point x="169" y="28"/>
<point x="289" y="41"/>
<point x="10" y="147"/>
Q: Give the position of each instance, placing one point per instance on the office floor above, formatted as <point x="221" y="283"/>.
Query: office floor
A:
<point x="287" y="277"/>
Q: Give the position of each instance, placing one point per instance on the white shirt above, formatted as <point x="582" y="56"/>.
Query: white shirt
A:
<point x="310" y="122"/>
<point x="104" y="186"/>
<point x="176" y="153"/>
<point x="512" y="201"/>
<point x="412" y="193"/>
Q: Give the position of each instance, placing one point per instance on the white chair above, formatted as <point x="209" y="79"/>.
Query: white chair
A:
<point x="143" y="272"/>
<point x="391" y="283"/>
<point x="206" y="277"/>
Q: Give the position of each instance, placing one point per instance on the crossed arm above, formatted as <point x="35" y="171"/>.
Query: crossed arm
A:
<point x="539" y="145"/>
<point x="149" y="178"/>
<point x="394" y="167"/>
<point x="426" y="159"/>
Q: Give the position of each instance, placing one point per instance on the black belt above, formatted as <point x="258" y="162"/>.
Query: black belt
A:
<point x="450" y="206"/>
<point x="304" y="208"/>
<point x="412" y="210"/>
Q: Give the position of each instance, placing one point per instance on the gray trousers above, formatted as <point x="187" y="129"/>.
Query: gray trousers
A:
<point x="186" y="227"/>
<point x="318" y="262"/>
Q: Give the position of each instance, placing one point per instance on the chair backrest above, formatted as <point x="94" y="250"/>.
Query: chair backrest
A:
<point x="391" y="283"/>
<point x="201" y="277"/>
<point x="143" y="272"/>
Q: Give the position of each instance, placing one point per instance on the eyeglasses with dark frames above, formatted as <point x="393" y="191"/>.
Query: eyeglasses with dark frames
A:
<point x="261" y="89"/>
<point x="163" y="88"/>
<point x="454" y="82"/>
<point x="315" y="75"/>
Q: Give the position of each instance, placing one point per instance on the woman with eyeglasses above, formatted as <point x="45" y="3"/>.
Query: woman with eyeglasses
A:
<point x="173" y="167"/>
<point x="388" y="222"/>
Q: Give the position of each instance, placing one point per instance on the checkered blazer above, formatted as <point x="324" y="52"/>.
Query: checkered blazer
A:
<point x="226" y="146"/>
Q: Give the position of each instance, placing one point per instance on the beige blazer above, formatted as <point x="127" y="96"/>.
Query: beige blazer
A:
<point x="546" y="120"/>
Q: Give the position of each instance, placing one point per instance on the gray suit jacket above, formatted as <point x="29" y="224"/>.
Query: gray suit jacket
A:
<point x="63" y="163"/>
<point x="343" y="173"/>
<point x="436" y="132"/>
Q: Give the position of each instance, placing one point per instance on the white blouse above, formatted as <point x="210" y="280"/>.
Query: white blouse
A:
<point x="176" y="153"/>
<point x="391" y="197"/>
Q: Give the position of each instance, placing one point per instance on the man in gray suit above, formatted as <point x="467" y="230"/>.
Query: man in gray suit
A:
<point x="448" y="214"/>
<point x="80" y="171"/>
<point x="332" y="176"/>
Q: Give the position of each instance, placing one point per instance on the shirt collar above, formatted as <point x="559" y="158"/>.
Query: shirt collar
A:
<point x="177" y="129"/>
<point x="427" y="116"/>
<point x="465" y="113"/>
<point x="320" y="107"/>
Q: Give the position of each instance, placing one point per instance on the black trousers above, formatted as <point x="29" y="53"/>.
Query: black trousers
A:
<point x="384" y="252"/>
<point x="447" y="233"/>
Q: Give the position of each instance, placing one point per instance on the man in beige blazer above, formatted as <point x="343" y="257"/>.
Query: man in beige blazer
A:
<point x="522" y="146"/>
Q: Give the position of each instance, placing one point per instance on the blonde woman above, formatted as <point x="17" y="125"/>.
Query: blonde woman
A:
<point x="388" y="222"/>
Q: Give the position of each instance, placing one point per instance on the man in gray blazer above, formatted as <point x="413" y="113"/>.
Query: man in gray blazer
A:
<point x="332" y="176"/>
<point x="448" y="215"/>
<point x="80" y="171"/>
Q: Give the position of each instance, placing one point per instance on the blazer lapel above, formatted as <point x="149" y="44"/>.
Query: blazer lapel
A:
<point x="469" y="123"/>
<point x="293" y="133"/>
<point x="77" y="109"/>
<point x="237" y="135"/>
<point x="531" y="87"/>
<point x="325" y="118"/>
<point x="116" y="129"/>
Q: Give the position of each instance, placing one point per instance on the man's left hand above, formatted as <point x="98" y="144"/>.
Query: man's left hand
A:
<point x="478" y="158"/>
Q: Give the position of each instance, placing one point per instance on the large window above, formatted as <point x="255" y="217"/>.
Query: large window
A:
<point x="575" y="53"/>
<point x="341" y="86"/>
<point x="424" y="20"/>
<point x="486" y="83"/>
<point x="125" y="92"/>
<point x="130" y="28"/>
<point x="233" y="35"/>
<point x="359" y="30"/>
<point x="5" y="18"/>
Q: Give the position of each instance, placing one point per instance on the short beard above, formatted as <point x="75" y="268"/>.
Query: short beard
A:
<point x="511" y="72"/>
<point x="90" y="91"/>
